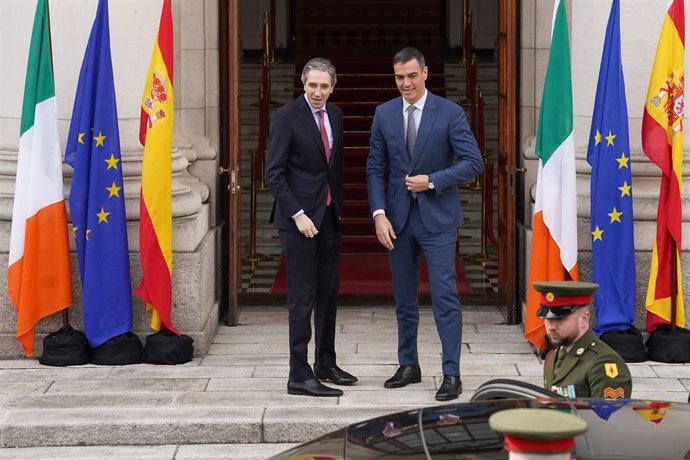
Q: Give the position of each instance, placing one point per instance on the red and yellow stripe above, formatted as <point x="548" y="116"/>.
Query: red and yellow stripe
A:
<point x="662" y="142"/>
<point x="156" y="130"/>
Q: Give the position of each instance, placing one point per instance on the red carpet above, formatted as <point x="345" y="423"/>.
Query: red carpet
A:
<point x="369" y="274"/>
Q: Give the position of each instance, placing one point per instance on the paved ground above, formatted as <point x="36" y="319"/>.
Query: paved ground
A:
<point x="233" y="402"/>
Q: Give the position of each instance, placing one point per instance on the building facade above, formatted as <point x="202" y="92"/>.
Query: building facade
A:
<point x="200" y="273"/>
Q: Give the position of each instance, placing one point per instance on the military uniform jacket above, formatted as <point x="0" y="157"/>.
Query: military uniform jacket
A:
<point x="591" y="369"/>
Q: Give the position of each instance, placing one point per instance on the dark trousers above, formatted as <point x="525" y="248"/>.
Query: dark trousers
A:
<point x="312" y="272"/>
<point x="439" y="252"/>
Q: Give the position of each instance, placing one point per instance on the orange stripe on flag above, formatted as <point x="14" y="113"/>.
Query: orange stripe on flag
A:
<point x="40" y="283"/>
<point x="545" y="265"/>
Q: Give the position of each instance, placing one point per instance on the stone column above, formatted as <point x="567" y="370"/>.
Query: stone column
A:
<point x="535" y="42"/>
<point x="133" y="26"/>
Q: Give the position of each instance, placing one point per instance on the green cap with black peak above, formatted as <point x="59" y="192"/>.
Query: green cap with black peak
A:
<point x="561" y="298"/>
<point x="537" y="430"/>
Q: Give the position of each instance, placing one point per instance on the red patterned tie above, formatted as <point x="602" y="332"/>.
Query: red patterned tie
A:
<point x="327" y="148"/>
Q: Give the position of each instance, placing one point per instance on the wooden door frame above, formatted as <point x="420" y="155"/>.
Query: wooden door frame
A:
<point x="230" y="201"/>
<point x="508" y="46"/>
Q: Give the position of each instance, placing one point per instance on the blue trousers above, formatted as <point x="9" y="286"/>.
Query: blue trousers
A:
<point x="439" y="251"/>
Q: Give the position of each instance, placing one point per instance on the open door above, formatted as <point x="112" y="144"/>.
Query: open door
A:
<point x="229" y="169"/>
<point x="507" y="155"/>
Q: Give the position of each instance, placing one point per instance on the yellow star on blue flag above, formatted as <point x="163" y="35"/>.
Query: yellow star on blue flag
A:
<point x="102" y="249"/>
<point x="613" y="256"/>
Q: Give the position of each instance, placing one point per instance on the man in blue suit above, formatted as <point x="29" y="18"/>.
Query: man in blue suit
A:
<point x="423" y="146"/>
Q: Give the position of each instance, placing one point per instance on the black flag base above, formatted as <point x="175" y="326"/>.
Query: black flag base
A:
<point x="120" y="350"/>
<point x="669" y="345"/>
<point x="165" y="347"/>
<point x="65" y="347"/>
<point x="627" y="343"/>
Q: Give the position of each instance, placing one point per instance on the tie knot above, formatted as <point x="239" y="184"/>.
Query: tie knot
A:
<point x="320" y="111"/>
<point x="410" y="109"/>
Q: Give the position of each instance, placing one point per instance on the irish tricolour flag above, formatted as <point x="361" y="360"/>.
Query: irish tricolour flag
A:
<point x="39" y="277"/>
<point x="554" y="237"/>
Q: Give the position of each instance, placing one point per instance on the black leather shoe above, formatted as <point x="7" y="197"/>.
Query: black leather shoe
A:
<point x="451" y="387"/>
<point x="404" y="376"/>
<point x="334" y="374"/>
<point x="312" y="388"/>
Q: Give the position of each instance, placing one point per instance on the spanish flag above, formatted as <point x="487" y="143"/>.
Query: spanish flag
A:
<point x="156" y="130"/>
<point x="39" y="279"/>
<point x="554" y="229"/>
<point x="662" y="142"/>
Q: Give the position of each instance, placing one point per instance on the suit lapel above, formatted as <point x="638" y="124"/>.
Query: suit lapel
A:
<point x="425" y="125"/>
<point x="399" y="128"/>
<point x="305" y="117"/>
<point x="336" y="121"/>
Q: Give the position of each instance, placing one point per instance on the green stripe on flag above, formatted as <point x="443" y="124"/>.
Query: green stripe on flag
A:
<point x="555" y="116"/>
<point x="39" y="84"/>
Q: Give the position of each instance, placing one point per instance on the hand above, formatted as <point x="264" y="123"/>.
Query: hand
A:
<point x="306" y="226"/>
<point x="384" y="231"/>
<point x="419" y="183"/>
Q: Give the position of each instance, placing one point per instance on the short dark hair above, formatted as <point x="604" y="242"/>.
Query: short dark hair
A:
<point x="320" y="64"/>
<point x="407" y="54"/>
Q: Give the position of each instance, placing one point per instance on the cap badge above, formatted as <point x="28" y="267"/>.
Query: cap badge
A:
<point x="550" y="296"/>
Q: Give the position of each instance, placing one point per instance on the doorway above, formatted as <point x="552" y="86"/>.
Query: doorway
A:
<point x="488" y="241"/>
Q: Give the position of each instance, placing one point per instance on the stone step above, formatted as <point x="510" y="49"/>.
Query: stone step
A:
<point x="164" y="418"/>
<point x="158" y="452"/>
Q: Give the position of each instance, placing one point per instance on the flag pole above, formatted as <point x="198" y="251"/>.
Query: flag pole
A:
<point x="674" y="283"/>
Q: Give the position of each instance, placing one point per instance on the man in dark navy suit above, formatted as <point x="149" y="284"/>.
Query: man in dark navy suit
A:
<point x="304" y="169"/>
<point x="422" y="145"/>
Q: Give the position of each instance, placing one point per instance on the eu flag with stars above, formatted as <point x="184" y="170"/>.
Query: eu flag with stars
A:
<point x="613" y="252"/>
<point x="96" y="199"/>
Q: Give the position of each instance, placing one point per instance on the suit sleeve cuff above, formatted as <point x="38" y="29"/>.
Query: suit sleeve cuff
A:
<point x="298" y="213"/>
<point x="379" y="211"/>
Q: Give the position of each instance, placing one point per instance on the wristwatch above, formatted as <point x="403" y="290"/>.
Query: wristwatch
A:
<point x="429" y="183"/>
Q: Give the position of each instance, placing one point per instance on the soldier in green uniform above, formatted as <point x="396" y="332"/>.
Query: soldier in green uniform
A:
<point x="580" y="365"/>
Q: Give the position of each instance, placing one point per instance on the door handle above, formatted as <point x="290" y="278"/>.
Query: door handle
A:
<point x="512" y="172"/>
<point x="234" y="185"/>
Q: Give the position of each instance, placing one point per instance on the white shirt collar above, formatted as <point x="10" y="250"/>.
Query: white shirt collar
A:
<point x="314" y="110"/>
<point x="419" y="105"/>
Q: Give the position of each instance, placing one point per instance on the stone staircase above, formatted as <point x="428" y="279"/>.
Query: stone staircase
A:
<point x="232" y="404"/>
<point x="282" y="77"/>
<point x="487" y="79"/>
